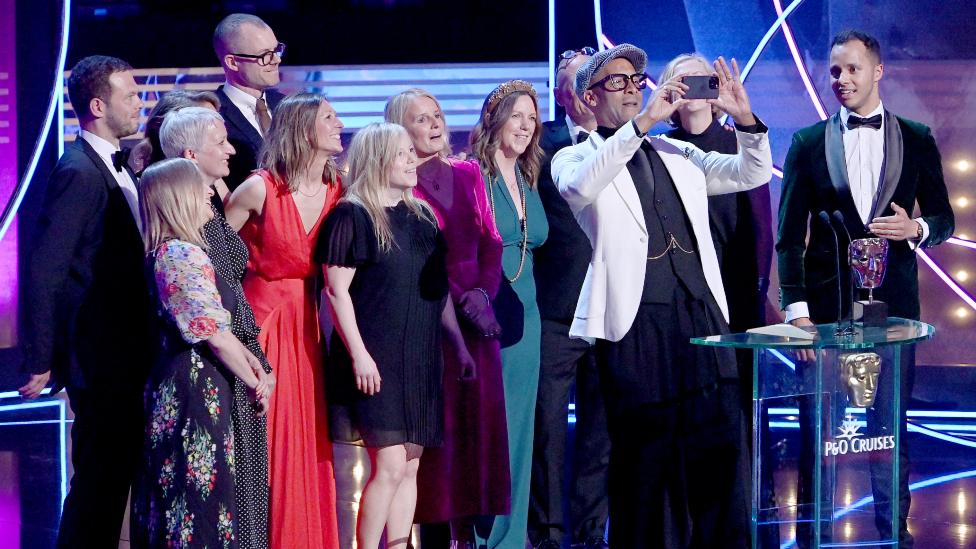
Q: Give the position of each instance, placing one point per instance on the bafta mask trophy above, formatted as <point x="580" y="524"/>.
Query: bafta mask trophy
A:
<point x="869" y="260"/>
<point x="861" y="372"/>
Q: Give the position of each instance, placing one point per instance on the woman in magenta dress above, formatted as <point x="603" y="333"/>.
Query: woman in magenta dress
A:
<point x="469" y="474"/>
<point x="278" y="211"/>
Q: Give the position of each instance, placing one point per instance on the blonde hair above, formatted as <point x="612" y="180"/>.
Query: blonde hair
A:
<point x="288" y="149"/>
<point x="484" y="136"/>
<point x="399" y="104"/>
<point x="371" y="155"/>
<point x="172" y="203"/>
<point x="669" y="72"/>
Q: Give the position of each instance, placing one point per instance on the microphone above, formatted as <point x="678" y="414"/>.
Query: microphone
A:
<point x="825" y="217"/>
<point x="839" y="220"/>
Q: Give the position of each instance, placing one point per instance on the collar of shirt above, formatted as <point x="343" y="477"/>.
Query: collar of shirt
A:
<point x="244" y="101"/>
<point x="845" y="114"/>
<point x="124" y="180"/>
<point x="574" y="130"/>
<point x="104" y="149"/>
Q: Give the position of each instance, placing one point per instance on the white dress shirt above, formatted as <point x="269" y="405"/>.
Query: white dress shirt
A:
<point x="864" y="154"/>
<point x="247" y="104"/>
<point x="128" y="186"/>
<point x="574" y="130"/>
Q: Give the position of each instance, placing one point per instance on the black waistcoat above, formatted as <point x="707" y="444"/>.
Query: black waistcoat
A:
<point x="667" y="226"/>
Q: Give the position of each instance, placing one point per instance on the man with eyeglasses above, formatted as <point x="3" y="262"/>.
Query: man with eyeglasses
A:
<point x="677" y="469"/>
<point x="250" y="54"/>
<point x="560" y="265"/>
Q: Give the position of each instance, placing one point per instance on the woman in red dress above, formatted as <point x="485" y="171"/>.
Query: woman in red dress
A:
<point x="278" y="211"/>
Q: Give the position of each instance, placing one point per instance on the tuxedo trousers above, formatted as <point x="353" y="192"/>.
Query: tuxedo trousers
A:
<point x="106" y="442"/>
<point x="678" y="470"/>
<point x="568" y="363"/>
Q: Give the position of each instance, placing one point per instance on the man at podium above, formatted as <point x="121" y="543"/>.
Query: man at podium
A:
<point x="871" y="167"/>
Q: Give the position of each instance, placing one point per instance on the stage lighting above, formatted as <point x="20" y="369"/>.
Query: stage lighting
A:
<point x="962" y="202"/>
<point x="962" y="276"/>
<point x="962" y="312"/>
<point x="963" y="165"/>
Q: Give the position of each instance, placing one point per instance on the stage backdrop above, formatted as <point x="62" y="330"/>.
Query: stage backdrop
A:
<point x="930" y="76"/>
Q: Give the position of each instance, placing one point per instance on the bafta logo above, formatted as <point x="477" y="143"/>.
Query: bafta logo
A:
<point x="861" y="371"/>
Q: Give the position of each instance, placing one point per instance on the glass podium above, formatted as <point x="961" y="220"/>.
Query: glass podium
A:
<point x="825" y="435"/>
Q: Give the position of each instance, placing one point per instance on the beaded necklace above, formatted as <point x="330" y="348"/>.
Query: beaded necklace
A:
<point x="524" y="222"/>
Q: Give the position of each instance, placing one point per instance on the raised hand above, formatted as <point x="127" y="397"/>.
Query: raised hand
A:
<point x="732" y="96"/>
<point x="667" y="98"/>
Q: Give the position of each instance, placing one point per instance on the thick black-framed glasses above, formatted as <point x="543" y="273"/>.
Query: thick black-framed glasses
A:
<point x="264" y="59"/>
<point x="618" y="82"/>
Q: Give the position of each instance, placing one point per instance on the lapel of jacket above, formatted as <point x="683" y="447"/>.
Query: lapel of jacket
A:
<point x="234" y="116"/>
<point x="115" y="192"/>
<point x="891" y="168"/>
<point x="837" y="168"/>
<point x="107" y="174"/>
<point x="623" y="183"/>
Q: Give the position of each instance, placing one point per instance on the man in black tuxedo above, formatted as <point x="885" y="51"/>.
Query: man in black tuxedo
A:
<point x="560" y="266"/>
<point x="872" y="166"/>
<point x="250" y="55"/>
<point x="88" y="304"/>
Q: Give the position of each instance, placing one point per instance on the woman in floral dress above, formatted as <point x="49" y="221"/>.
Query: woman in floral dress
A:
<point x="184" y="496"/>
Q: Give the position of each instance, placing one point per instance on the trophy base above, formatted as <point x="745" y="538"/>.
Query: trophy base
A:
<point x="873" y="314"/>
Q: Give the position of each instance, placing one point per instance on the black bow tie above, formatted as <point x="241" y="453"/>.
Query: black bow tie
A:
<point x="582" y="136"/>
<point x="873" y="122"/>
<point x="120" y="158"/>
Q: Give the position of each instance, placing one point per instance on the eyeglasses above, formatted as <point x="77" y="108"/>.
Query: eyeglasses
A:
<point x="568" y="55"/>
<point x="618" y="82"/>
<point x="266" y="58"/>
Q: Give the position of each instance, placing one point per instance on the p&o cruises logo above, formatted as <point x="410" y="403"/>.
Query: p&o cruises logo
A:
<point x="850" y="440"/>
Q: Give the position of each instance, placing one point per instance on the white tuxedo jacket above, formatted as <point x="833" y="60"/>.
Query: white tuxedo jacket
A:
<point x="593" y="178"/>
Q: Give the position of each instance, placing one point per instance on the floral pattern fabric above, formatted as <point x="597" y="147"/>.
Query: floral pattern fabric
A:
<point x="184" y="496"/>
<point x="186" y="283"/>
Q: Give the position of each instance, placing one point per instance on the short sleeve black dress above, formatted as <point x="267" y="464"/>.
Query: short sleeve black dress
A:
<point x="398" y="296"/>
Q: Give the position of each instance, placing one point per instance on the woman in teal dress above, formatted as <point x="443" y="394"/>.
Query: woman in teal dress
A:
<point x="506" y="144"/>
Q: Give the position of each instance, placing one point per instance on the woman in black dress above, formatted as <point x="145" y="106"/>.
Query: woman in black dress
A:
<point x="387" y="287"/>
<point x="185" y="494"/>
<point x="199" y="134"/>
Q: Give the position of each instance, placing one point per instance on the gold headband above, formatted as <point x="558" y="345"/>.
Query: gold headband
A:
<point x="507" y="88"/>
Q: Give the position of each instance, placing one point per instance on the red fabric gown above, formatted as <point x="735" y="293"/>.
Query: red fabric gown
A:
<point x="469" y="474"/>
<point x="280" y="285"/>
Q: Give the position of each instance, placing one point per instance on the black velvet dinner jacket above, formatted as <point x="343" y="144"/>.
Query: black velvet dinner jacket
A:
<point x="815" y="180"/>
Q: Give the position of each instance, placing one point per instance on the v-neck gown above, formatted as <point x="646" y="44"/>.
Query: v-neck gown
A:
<point x="520" y="362"/>
<point x="281" y="287"/>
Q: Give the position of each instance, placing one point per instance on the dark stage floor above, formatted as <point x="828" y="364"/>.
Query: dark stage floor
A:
<point x="33" y="439"/>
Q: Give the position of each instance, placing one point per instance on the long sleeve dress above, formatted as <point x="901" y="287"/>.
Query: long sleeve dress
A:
<point x="468" y="475"/>
<point x="184" y="495"/>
